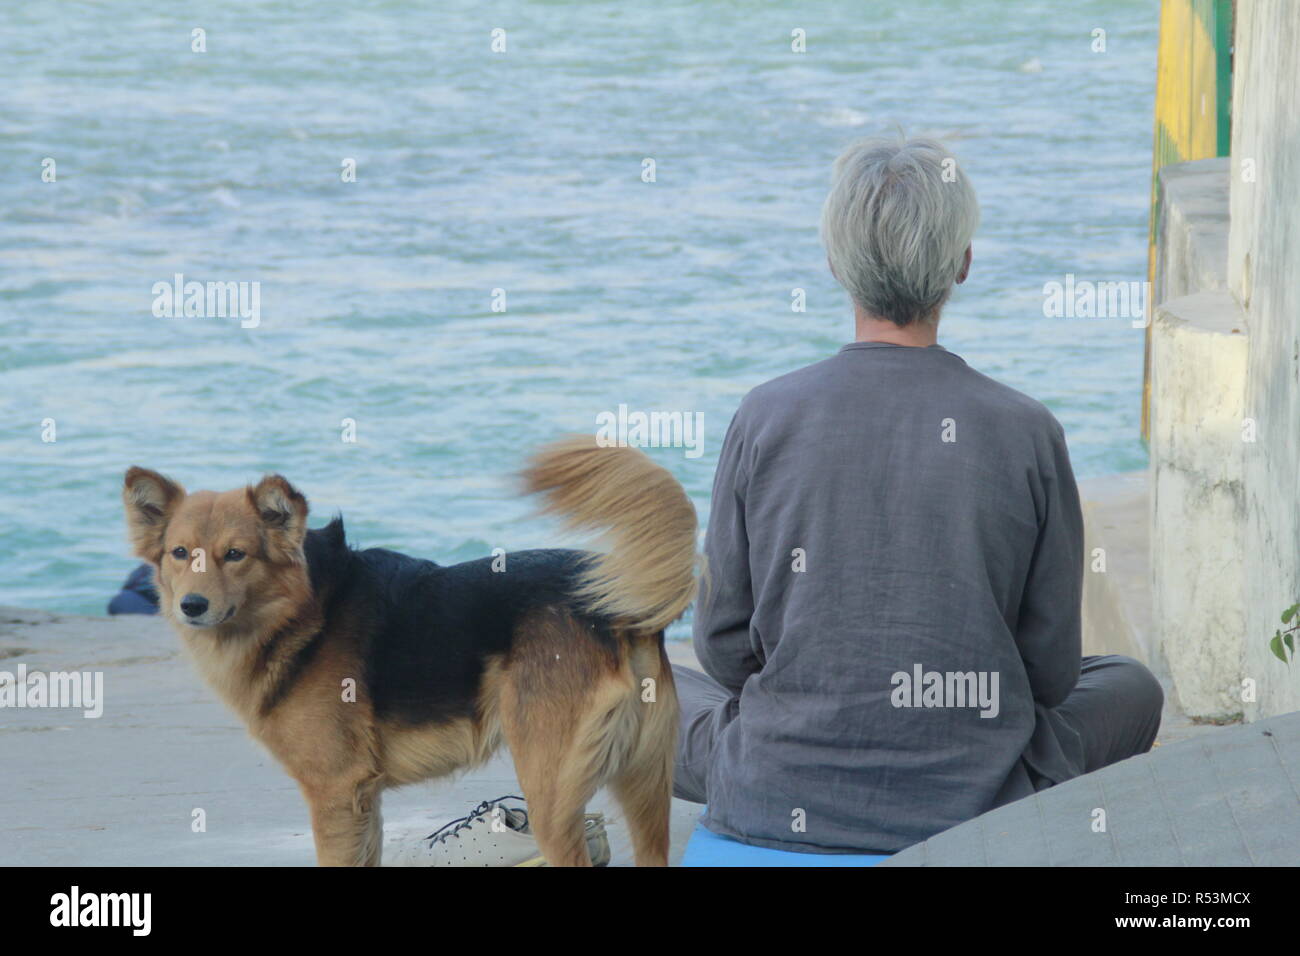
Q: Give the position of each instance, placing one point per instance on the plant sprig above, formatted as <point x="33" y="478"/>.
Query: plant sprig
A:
<point x="1283" y="643"/>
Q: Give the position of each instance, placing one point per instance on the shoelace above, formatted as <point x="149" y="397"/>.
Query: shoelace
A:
<point x="454" y="828"/>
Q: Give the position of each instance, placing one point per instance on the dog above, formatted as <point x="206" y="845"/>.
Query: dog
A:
<point x="364" y="670"/>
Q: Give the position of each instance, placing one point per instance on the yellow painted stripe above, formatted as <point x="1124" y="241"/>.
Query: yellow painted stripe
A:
<point x="1191" y="62"/>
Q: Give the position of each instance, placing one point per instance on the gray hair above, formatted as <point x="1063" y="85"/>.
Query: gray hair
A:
<point x="896" y="225"/>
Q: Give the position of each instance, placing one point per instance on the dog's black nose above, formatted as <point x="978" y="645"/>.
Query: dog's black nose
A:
<point x="194" y="604"/>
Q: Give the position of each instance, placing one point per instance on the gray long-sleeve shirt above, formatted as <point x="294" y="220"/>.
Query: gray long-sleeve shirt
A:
<point x="888" y="511"/>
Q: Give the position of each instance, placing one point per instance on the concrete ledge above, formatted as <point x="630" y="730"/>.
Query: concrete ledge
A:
<point x="1224" y="799"/>
<point x="1199" y="355"/>
<point x="1192" y="228"/>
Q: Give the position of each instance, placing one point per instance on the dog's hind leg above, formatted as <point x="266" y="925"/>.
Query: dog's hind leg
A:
<point x="558" y="770"/>
<point x="644" y="787"/>
<point x="645" y="792"/>
<point x="555" y="812"/>
<point x="568" y="712"/>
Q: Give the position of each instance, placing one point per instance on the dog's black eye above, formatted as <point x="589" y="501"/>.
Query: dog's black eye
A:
<point x="180" y="553"/>
<point x="234" y="554"/>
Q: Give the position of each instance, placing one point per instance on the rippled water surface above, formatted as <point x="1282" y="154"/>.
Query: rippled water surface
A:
<point x="518" y="171"/>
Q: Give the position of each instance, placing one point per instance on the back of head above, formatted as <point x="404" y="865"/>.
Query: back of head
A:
<point x="896" y="226"/>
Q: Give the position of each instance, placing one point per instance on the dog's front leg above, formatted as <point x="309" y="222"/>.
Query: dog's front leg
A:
<point x="347" y="824"/>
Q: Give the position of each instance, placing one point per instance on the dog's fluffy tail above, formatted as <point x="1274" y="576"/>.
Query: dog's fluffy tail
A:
<point x="647" y="577"/>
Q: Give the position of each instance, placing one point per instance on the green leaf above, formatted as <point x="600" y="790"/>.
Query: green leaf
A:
<point x="1290" y="613"/>
<point x="1275" y="646"/>
<point x="1288" y="640"/>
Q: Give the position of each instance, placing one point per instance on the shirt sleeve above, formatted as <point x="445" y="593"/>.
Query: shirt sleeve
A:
<point x="721" y="625"/>
<point x="1049" y="632"/>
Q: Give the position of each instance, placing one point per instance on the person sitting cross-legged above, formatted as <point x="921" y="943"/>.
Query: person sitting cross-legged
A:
<point x="890" y="626"/>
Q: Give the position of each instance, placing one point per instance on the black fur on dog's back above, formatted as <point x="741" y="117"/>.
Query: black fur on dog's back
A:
<point x="426" y="631"/>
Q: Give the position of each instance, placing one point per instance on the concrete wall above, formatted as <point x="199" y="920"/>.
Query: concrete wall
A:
<point x="1264" y="277"/>
<point x="1198" y="378"/>
<point x="1199" y="354"/>
<point x="1225" y="390"/>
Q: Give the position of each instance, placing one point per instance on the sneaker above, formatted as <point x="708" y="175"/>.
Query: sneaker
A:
<point x="493" y="834"/>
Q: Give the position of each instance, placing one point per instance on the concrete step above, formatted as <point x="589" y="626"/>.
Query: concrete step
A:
<point x="1228" y="799"/>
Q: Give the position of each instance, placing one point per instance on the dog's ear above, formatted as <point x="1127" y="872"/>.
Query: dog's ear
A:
<point x="150" y="500"/>
<point x="283" y="513"/>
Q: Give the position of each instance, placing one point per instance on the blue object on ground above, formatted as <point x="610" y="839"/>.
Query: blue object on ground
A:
<point x="138" y="594"/>
<point x="706" y="848"/>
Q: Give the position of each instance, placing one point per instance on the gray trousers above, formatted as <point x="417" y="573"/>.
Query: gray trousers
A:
<point x="1115" y="708"/>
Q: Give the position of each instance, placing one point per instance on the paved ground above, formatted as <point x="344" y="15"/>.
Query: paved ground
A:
<point x="121" y="790"/>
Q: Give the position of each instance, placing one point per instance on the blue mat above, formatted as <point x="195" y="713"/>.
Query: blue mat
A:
<point x="706" y="848"/>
